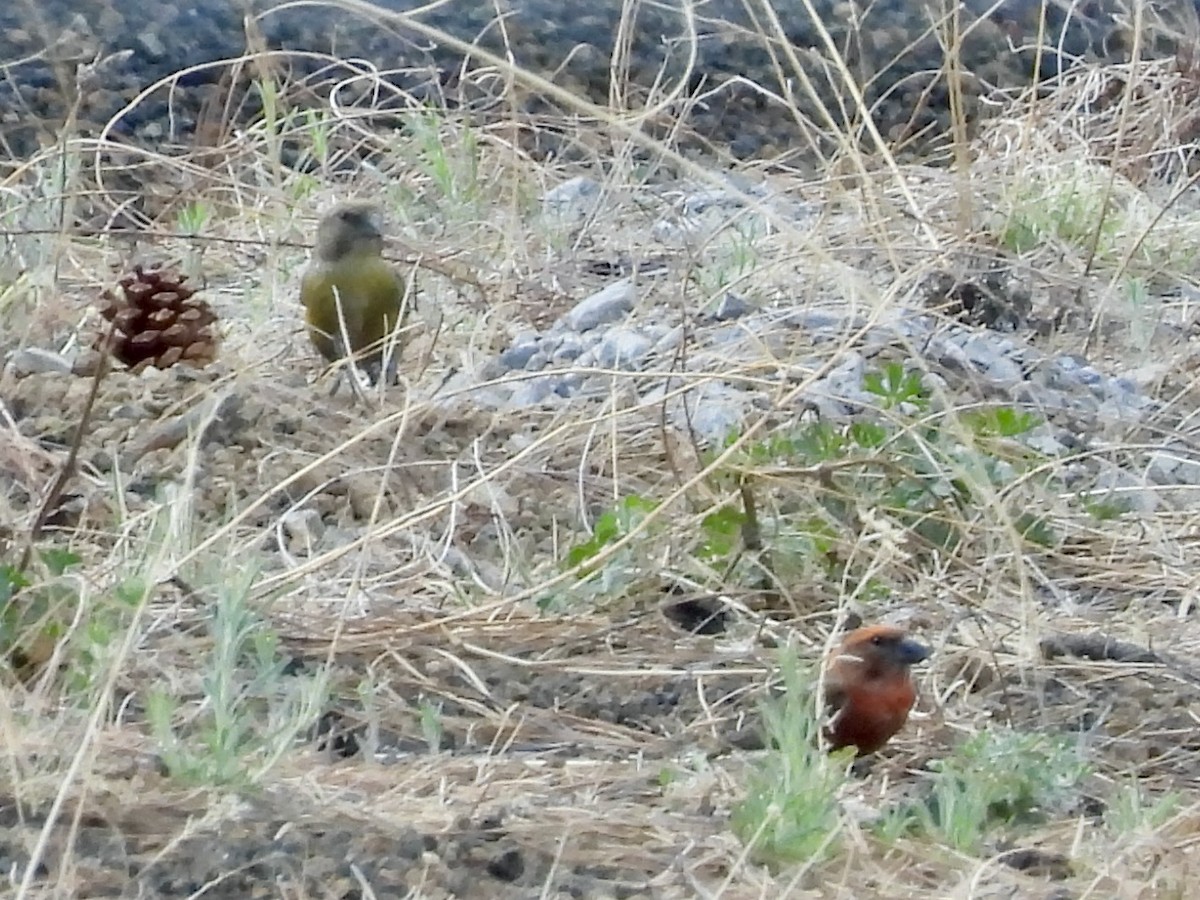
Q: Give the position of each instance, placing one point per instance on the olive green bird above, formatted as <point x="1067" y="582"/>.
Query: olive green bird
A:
<point x="352" y="297"/>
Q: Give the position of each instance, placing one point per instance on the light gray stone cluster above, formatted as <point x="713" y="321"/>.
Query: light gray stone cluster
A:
<point x="601" y="333"/>
<point x="609" y="331"/>
<point x="717" y="369"/>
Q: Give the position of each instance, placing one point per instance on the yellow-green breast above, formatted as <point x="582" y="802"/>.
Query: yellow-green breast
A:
<point x="370" y="294"/>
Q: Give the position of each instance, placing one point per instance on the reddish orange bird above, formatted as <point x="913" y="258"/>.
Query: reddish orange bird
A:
<point x="868" y="687"/>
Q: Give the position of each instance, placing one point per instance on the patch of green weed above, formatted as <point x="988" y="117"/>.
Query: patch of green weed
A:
<point x="37" y="603"/>
<point x="997" y="781"/>
<point x="619" y="569"/>
<point x="790" y="810"/>
<point x="1084" y="207"/>
<point x="252" y="710"/>
<point x="1131" y="809"/>
<point x="803" y="495"/>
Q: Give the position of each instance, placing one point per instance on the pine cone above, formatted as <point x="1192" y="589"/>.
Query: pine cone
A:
<point x="158" y="322"/>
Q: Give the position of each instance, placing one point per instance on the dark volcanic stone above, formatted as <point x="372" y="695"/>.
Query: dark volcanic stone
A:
<point x="735" y="73"/>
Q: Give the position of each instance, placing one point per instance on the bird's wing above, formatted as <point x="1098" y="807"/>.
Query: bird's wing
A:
<point x="835" y="696"/>
<point x="309" y="286"/>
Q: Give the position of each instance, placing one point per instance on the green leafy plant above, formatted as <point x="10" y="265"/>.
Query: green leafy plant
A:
<point x="607" y="579"/>
<point x="730" y="256"/>
<point x="1130" y="809"/>
<point x="1104" y="510"/>
<point x="1086" y="207"/>
<point x="998" y="779"/>
<point x="314" y="136"/>
<point x="99" y="637"/>
<point x="922" y="472"/>
<point x="37" y="604"/>
<point x="611" y="527"/>
<point x="190" y="220"/>
<point x="47" y="610"/>
<point x="251" y="710"/>
<point x="1071" y="210"/>
<point x="1143" y="311"/>
<point x="806" y="445"/>
<point x="894" y="385"/>
<point x="193" y="217"/>
<point x="432" y="728"/>
<point x="722" y="530"/>
<point x="790" y="811"/>
<point x="448" y="155"/>
<point x="1000" y="422"/>
<point x="316" y="128"/>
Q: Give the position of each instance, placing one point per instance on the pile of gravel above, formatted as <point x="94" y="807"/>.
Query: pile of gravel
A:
<point x="786" y="343"/>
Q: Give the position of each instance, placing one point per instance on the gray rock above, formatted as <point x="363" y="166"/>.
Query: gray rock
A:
<point x="537" y="362"/>
<point x="672" y="234"/>
<point x="1005" y="347"/>
<point x="846" y="378"/>
<point x="151" y="44"/>
<point x="623" y="348"/>
<point x="981" y="352"/>
<point x="934" y="383"/>
<point x="1044" y="443"/>
<point x="915" y="326"/>
<point x="700" y="203"/>
<point x="532" y="391"/>
<point x="303" y="528"/>
<point x="820" y="321"/>
<point x="574" y="199"/>
<point x="1089" y="376"/>
<point x="604" y="306"/>
<point x="653" y="330"/>
<point x="568" y="384"/>
<point x="1124" y="489"/>
<point x="840" y="394"/>
<point x="712" y="409"/>
<point x="134" y="412"/>
<point x="731" y="306"/>
<point x="1055" y="375"/>
<point x="670" y="340"/>
<point x="529" y="336"/>
<point x="1174" y="465"/>
<point x="36" y="361"/>
<point x="718" y="411"/>
<point x="489" y="370"/>
<point x="518" y="355"/>
<point x="829" y="408"/>
<point x="726" y="334"/>
<point x="568" y="351"/>
<point x="1075" y="371"/>
<point x="491" y="395"/>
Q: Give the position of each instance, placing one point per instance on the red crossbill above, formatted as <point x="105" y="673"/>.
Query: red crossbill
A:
<point x="352" y="297"/>
<point x="868" y="687"/>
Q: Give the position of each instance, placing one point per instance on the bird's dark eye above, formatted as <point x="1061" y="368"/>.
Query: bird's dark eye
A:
<point x="877" y="641"/>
